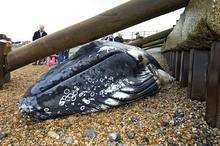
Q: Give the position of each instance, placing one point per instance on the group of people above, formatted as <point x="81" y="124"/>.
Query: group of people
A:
<point x="62" y="56"/>
<point x="118" y="38"/>
<point x="52" y="59"/>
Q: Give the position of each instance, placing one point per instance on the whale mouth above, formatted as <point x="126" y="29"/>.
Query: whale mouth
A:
<point x="28" y="107"/>
<point x="99" y="76"/>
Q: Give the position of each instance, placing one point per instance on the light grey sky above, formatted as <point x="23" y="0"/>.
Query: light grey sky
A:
<point x="20" y="18"/>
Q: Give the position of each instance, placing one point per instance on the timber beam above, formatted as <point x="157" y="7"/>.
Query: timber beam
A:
<point x="126" y="15"/>
<point x="151" y="38"/>
<point x="213" y="87"/>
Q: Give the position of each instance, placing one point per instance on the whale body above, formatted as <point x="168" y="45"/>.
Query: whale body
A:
<point x="100" y="75"/>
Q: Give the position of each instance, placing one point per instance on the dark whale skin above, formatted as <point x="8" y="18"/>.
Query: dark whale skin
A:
<point x="100" y="75"/>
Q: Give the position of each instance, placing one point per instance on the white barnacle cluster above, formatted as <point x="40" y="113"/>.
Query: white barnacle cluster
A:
<point x="69" y="96"/>
<point x="128" y="81"/>
<point x="88" y="79"/>
<point x="111" y="102"/>
<point x="114" y="87"/>
<point x="107" y="49"/>
<point x="135" y="52"/>
<point x="121" y="95"/>
<point x="83" y="93"/>
<point x="87" y="101"/>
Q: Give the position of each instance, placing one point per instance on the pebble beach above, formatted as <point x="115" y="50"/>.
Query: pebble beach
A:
<point x="167" y="118"/>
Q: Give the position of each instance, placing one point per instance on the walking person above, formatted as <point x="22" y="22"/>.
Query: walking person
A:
<point x="139" y="37"/>
<point x="119" y="38"/>
<point x="39" y="34"/>
<point x="51" y="60"/>
<point x="62" y="56"/>
<point x="110" y="38"/>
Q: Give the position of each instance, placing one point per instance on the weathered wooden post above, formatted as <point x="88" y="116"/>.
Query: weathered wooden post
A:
<point x="153" y="43"/>
<point x="5" y="48"/>
<point x="170" y="62"/>
<point x="169" y="59"/>
<point x="2" y="61"/>
<point x="177" y="65"/>
<point x="197" y="87"/>
<point x="118" y="18"/>
<point x="154" y="46"/>
<point x="152" y="38"/>
<point x="173" y="61"/>
<point x="184" y="68"/>
<point x="213" y="87"/>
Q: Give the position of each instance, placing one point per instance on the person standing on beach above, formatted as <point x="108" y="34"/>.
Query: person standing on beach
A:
<point x="138" y="36"/>
<point x="39" y="34"/>
<point x="119" y="38"/>
<point x="62" y="56"/>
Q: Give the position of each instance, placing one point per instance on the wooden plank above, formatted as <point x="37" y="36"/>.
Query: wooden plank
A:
<point x="126" y="15"/>
<point x="169" y="54"/>
<point x="213" y="88"/>
<point x="166" y="56"/>
<point x="197" y="87"/>
<point x="1" y="64"/>
<point x="152" y="38"/>
<point x="157" y="42"/>
<point x="154" y="46"/>
<point x="177" y="65"/>
<point x="7" y="77"/>
<point x="4" y="75"/>
<point x="173" y="63"/>
<point x="169" y="57"/>
<point x="184" y="68"/>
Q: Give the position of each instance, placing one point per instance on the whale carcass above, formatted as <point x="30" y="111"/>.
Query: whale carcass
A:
<point x="100" y="75"/>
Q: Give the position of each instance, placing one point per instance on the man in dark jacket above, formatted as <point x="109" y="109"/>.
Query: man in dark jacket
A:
<point x="119" y="38"/>
<point x="39" y="34"/>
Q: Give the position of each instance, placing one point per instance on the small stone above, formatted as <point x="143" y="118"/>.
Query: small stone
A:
<point x="90" y="133"/>
<point x="194" y="130"/>
<point x="54" y="135"/>
<point x="130" y="134"/>
<point x="67" y="125"/>
<point x="177" y="132"/>
<point x="179" y="113"/>
<point x="171" y="142"/>
<point x="165" y="124"/>
<point x="1" y="135"/>
<point x="172" y="122"/>
<point x="119" y="144"/>
<point x="69" y="140"/>
<point x="145" y="139"/>
<point x="135" y="119"/>
<point x="114" y="137"/>
<point x="217" y="132"/>
<point x="160" y="130"/>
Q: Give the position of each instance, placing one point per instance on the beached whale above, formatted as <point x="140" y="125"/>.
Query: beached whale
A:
<point x="98" y="76"/>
